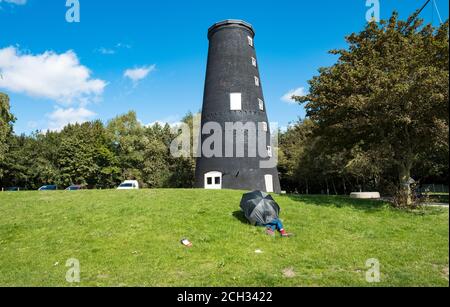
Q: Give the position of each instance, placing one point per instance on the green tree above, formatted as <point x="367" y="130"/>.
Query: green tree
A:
<point x="293" y="143"/>
<point x="183" y="168"/>
<point x="128" y="141"/>
<point x="6" y="121"/>
<point x="156" y="165"/>
<point x="388" y="91"/>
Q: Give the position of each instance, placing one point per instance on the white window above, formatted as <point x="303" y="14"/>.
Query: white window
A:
<point x="269" y="151"/>
<point x="250" y="41"/>
<point x="256" y="81"/>
<point x="261" y="104"/>
<point x="213" y="181"/>
<point x="265" y="126"/>
<point x="235" y="101"/>
<point x="269" y="183"/>
<point x="254" y="62"/>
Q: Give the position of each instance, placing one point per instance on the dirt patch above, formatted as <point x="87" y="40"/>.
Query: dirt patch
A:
<point x="289" y="273"/>
<point x="445" y="273"/>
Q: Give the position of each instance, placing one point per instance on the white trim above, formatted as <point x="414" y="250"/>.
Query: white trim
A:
<point x="269" y="151"/>
<point x="261" y="104"/>
<point x="269" y="183"/>
<point x="235" y="101"/>
<point x="254" y="63"/>
<point x="257" y="81"/>
<point x="213" y="177"/>
<point x="265" y="127"/>
<point x="250" y="41"/>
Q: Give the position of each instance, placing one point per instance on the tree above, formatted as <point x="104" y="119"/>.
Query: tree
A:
<point x="293" y="143"/>
<point x="156" y="166"/>
<point x="83" y="155"/>
<point x="6" y="121"/>
<point x="183" y="168"/>
<point x="386" y="95"/>
<point x="127" y="137"/>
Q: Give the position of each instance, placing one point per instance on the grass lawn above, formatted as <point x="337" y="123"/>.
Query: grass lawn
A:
<point x="132" y="238"/>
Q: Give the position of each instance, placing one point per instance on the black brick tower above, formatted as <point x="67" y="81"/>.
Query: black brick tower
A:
<point x="233" y="93"/>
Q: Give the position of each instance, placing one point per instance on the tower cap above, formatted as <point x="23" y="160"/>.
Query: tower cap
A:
<point x="230" y="22"/>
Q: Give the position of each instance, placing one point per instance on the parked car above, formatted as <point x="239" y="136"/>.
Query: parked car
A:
<point x="48" y="188"/>
<point x="129" y="185"/>
<point x="74" y="188"/>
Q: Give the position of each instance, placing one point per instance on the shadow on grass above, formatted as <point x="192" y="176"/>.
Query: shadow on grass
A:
<point x="369" y="206"/>
<point x="438" y="199"/>
<point x="240" y="216"/>
<point x="340" y="202"/>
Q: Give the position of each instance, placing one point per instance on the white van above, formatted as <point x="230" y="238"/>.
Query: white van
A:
<point x="129" y="185"/>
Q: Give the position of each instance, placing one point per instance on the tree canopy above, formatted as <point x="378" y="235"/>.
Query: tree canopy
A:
<point x="386" y="98"/>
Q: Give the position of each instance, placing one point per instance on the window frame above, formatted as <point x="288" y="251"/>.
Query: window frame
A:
<point x="250" y="41"/>
<point x="235" y="101"/>
<point x="269" y="151"/>
<point x="257" y="81"/>
<point x="261" y="104"/>
<point x="210" y="182"/>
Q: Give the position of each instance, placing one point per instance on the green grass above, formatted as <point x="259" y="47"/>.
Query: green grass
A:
<point x="132" y="238"/>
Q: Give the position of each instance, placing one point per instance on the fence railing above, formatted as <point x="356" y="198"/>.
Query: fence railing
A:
<point x="433" y="188"/>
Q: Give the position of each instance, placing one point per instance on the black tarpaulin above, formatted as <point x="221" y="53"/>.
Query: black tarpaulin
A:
<point x="259" y="208"/>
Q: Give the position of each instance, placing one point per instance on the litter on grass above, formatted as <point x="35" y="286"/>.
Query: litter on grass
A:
<point x="186" y="243"/>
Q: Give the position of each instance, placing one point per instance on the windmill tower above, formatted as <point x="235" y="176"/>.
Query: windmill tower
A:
<point x="233" y="94"/>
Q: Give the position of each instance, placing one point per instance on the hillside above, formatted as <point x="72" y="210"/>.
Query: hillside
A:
<point x="132" y="238"/>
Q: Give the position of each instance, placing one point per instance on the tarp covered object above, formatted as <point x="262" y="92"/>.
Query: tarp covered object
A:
<point x="259" y="208"/>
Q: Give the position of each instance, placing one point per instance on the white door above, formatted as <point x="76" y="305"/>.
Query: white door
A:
<point x="213" y="181"/>
<point x="269" y="183"/>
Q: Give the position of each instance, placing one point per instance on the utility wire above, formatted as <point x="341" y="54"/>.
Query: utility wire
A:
<point x="437" y="10"/>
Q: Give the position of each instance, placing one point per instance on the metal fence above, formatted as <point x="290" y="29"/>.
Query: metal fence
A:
<point x="433" y="188"/>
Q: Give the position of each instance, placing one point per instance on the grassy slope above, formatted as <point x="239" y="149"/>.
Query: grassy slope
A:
<point x="129" y="238"/>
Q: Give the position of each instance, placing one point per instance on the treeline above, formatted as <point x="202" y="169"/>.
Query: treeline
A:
<point x="309" y="165"/>
<point x="96" y="156"/>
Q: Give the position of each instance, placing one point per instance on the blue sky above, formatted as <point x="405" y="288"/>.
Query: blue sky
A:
<point x="150" y="56"/>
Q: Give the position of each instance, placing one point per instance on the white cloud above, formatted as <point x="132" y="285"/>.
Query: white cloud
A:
<point x="113" y="50"/>
<point x="18" y="2"/>
<point x="122" y="45"/>
<point x="139" y="73"/>
<point x="58" y="77"/>
<point x="60" y="118"/>
<point x="295" y="92"/>
<point x="106" y="51"/>
<point x="172" y="121"/>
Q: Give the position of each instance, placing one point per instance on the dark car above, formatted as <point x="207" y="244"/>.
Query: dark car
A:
<point x="74" y="188"/>
<point x="48" y="188"/>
